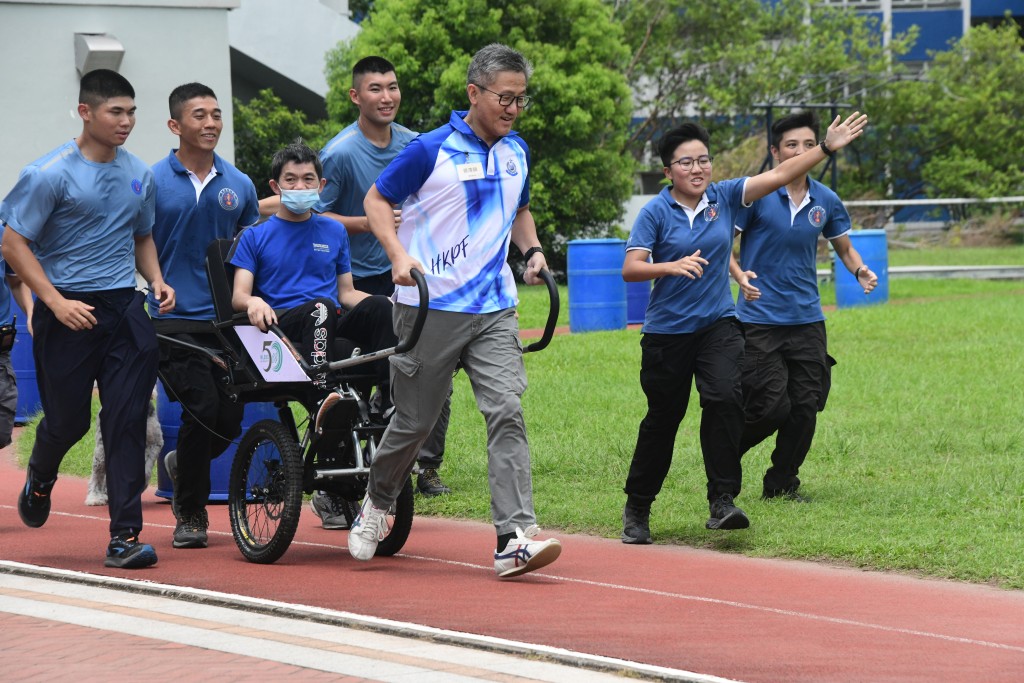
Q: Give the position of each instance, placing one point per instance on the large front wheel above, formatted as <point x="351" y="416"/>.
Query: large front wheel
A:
<point x="265" y="492"/>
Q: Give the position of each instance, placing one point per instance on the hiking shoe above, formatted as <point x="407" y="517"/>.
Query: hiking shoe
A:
<point x="725" y="515"/>
<point x="34" y="501"/>
<point x="784" y="494"/>
<point x="429" y="483"/>
<point x="330" y="509"/>
<point x="190" y="532"/>
<point x="171" y="465"/>
<point x="370" y="527"/>
<point x="523" y="554"/>
<point x="126" y="552"/>
<point x="636" y="524"/>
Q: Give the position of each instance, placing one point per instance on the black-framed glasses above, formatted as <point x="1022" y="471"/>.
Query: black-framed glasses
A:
<point x="686" y="163"/>
<point x="522" y="101"/>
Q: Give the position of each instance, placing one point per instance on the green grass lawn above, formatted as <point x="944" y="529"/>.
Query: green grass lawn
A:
<point x="917" y="464"/>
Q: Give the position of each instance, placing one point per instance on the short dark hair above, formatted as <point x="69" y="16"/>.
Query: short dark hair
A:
<point x="184" y="93"/>
<point x="492" y="59"/>
<point x="96" y="87"/>
<point x="677" y="136"/>
<point x="298" y="152"/>
<point x="801" y="119"/>
<point x="370" y="65"/>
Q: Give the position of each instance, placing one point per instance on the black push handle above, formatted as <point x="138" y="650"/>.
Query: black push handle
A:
<point x="553" y="304"/>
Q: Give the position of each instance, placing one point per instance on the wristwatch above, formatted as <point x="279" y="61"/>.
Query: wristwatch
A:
<point x="863" y="267"/>
<point x="531" y="251"/>
<point x="824" y="148"/>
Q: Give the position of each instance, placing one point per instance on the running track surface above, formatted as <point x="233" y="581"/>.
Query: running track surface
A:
<point x="717" y="614"/>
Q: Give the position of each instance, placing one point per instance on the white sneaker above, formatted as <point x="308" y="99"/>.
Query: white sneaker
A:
<point x="367" y="531"/>
<point x="522" y="554"/>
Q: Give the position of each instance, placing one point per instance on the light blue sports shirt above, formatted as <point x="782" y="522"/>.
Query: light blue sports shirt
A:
<point x="82" y="216"/>
<point x="351" y="165"/>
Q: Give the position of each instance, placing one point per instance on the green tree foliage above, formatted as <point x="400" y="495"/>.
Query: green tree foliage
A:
<point x="716" y="61"/>
<point x="265" y="125"/>
<point x="970" y="109"/>
<point x="578" y="124"/>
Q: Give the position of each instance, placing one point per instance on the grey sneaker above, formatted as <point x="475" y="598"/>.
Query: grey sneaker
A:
<point x="330" y="508"/>
<point x="429" y="483"/>
<point x="171" y="465"/>
<point x="190" y="531"/>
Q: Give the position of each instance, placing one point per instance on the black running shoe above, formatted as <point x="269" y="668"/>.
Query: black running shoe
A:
<point x="429" y="483"/>
<point x="725" y="515"/>
<point x="126" y="552"/>
<point x="34" y="501"/>
<point x="636" y="524"/>
<point x="190" y="532"/>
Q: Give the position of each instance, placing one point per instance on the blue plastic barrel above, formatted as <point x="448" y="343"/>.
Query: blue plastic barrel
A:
<point x="169" y="414"/>
<point x="871" y="245"/>
<point x="24" y="369"/>
<point x="597" y="292"/>
<point x="638" y="295"/>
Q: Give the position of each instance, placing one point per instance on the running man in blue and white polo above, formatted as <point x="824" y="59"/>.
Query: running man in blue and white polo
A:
<point x="683" y="240"/>
<point x="466" y="192"/>
<point x="787" y="370"/>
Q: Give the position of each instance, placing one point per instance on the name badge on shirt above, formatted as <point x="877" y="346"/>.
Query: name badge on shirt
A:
<point x="471" y="171"/>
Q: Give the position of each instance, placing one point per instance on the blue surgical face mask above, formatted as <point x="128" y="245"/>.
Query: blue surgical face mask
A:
<point x="299" y="201"/>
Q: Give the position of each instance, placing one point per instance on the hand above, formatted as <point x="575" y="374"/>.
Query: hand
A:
<point x="260" y="313"/>
<point x="398" y="218"/>
<point x="867" y="279"/>
<point x="839" y="135"/>
<point x="164" y="293"/>
<point x="401" y="269"/>
<point x="77" y="315"/>
<point x="691" y="266"/>
<point x="537" y="263"/>
<point x="749" y="291"/>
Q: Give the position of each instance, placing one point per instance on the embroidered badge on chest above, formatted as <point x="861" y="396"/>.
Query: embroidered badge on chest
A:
<point x="711" y="213"/>
<point x="136" y="186"/>
<point x="816" y="216"/>
<point x="227" y="199"/>
<point x="510" y="167"/>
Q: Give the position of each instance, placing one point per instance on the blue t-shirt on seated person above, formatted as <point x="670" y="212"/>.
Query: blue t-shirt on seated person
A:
<point x="781" y="249"/>
<point x="678" y="304"/>
<point x="82" y="216"/>
<point x="294" y="263"/>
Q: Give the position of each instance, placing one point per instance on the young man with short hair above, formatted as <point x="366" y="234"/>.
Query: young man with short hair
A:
<point x="787" y="369"/>
<point x="78" y="223"/>
<point x="466" y="188"/>
<point x="200" y="197"/>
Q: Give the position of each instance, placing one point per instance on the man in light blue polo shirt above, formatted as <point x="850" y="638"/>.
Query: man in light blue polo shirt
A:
<point x="200" y="197"/>
<point x="786" y="371"/>
<point x="466" y="191"/>
<point x="78" y="223"/>
<point x="682" y="239"/>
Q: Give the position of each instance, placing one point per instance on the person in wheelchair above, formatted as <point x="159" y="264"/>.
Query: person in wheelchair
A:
<point x="294" y="270"/>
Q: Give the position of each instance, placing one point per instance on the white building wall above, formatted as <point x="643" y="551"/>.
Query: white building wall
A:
<point x="166" y="43"/>
<point x="314" y="27"/>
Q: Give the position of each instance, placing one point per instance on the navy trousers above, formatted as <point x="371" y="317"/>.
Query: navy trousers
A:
<point x="119" y="355"/>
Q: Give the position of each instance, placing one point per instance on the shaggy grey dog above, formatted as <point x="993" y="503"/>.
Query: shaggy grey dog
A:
<point x="97" y="493"/>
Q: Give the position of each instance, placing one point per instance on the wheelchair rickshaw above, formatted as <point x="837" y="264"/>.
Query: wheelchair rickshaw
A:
<point x="275" y="463"/>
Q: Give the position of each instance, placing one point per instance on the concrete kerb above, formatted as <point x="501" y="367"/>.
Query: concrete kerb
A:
<point x="328" y="617"/>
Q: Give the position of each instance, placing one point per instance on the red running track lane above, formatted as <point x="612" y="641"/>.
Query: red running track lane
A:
<point x="713" y="613"/>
